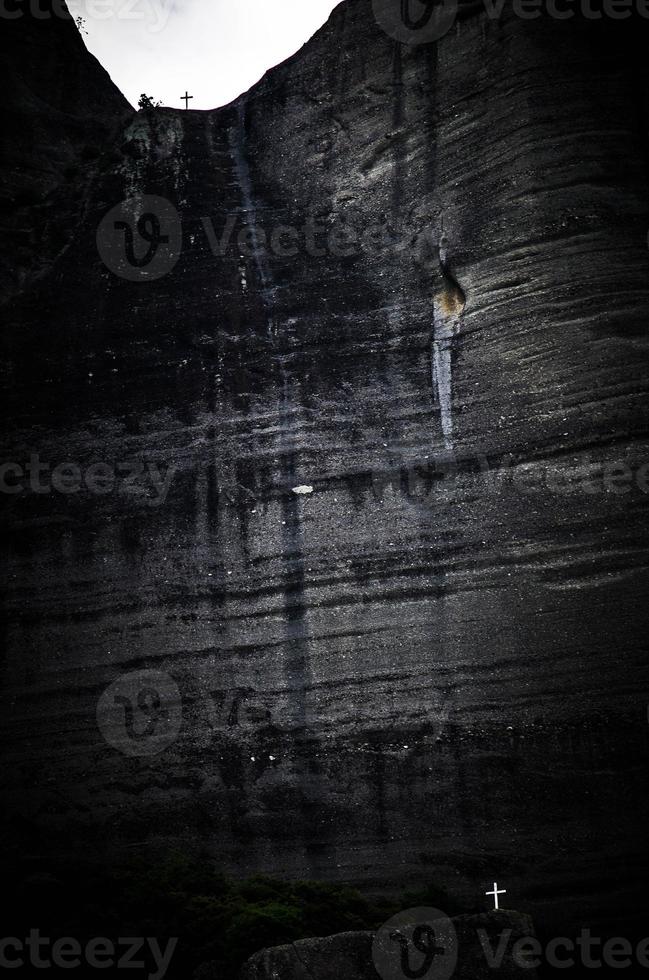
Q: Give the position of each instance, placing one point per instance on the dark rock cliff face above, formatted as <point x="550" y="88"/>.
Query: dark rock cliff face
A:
<point x="431" y="661"/>
<point x="59" y="108"/>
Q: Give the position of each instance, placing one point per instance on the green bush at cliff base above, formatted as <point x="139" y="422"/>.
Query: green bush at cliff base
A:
<point x="216" y="919"/>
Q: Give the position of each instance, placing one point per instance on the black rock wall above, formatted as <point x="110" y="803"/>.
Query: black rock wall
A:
<point x="59" y="108"/>
<point x="430" y="661"/>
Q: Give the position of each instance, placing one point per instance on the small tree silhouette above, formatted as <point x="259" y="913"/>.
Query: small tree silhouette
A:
<point x="147" y="104"/>
<point x="81" y="24"/>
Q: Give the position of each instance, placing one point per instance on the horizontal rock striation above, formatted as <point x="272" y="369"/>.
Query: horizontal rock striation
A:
<point x="431" y="661"/>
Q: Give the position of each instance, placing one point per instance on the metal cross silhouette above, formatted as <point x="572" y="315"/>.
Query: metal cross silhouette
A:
<point x="185" y="98"/>
<point x="496" y="893"/>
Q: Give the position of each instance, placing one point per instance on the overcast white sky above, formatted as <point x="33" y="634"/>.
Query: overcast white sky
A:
<point x="215" y="49"/>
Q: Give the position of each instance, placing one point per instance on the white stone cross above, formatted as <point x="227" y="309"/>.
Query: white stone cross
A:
<point x="496" y="893"/>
